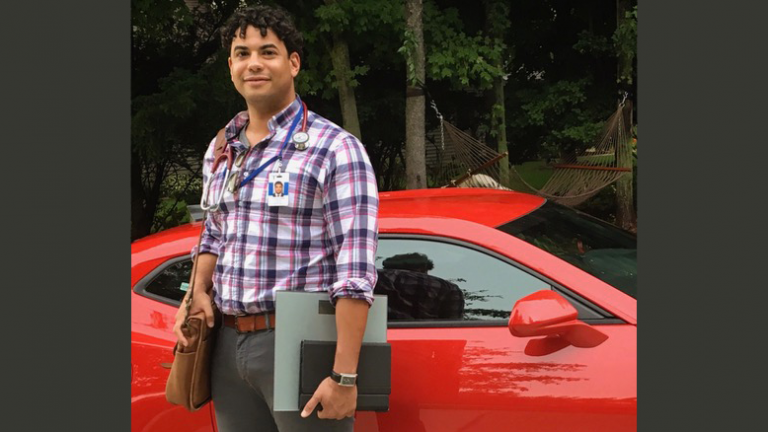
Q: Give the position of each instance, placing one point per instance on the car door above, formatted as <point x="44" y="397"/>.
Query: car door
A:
<point x="458" y="368"/>
<point x="154" y="302"/>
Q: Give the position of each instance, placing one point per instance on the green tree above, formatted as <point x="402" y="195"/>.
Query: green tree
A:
<point x="415" y="164"/>
<point x="543" y="72"/>
<point x="179" y="95"/>
<point x="496" y="26"/>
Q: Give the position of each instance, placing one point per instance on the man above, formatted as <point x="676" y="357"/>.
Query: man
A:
<point x="413" y="294"/>
<point x="278" y="189"/>
<point x="319" y="237"/>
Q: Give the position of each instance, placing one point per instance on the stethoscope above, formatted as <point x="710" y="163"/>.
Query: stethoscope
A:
<point x="231" y="177"/>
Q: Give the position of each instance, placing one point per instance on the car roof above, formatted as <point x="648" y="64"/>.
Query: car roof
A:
<point x="489" y="207"/>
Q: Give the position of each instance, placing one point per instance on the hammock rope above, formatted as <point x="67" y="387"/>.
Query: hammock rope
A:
<point x="461" y="160"/>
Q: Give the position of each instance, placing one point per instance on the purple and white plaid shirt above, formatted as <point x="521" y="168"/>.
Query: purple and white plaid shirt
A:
<point x="324" y="240"/>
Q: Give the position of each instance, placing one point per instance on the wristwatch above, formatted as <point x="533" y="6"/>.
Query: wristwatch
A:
<point x="344" y="380"/>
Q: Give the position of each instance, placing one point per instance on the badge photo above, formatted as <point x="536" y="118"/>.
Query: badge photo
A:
<point x="279" y="189"/>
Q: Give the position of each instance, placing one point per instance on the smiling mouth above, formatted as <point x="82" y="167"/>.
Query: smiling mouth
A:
<point x="256" y="79"/>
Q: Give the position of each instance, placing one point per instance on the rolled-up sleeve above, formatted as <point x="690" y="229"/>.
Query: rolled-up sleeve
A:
<point x="350" y="210"/>
<point x="211" y="240"/>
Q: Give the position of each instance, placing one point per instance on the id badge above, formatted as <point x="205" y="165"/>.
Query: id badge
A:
<point x="279" y="188"/>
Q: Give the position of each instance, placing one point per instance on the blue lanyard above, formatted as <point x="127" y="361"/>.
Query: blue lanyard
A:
<point x="279" y="156"/>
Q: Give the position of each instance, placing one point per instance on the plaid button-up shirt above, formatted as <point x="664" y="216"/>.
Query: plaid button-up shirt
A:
<point x="324" y="240"/>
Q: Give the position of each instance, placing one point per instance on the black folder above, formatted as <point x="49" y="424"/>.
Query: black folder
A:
<point x="373" y="372"/>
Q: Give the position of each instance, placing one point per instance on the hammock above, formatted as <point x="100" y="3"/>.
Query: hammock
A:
<point x="463" y="161"/>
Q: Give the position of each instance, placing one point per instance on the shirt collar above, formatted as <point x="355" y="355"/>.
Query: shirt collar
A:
<point x="280" y="120"/>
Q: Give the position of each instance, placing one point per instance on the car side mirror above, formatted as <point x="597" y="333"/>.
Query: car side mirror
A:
<point x="547" y="313"/>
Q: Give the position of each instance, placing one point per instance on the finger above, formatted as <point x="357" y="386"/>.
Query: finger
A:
<point x="208" y="314"/>
<point x="180" y="335"/>
<point x="310" y="406"/>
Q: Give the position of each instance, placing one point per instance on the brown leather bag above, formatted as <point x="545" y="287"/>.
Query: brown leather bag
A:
<point x="189" y="383"/>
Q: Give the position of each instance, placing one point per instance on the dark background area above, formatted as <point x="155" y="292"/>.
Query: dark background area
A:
<point x="560" y="63"/>
<point x="701" y="248"/>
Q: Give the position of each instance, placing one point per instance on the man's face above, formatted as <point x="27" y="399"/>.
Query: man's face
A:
<point x="262" y="70"/>
<point x="278" y="188"/>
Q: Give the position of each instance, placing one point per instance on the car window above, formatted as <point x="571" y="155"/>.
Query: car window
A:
<point x="424" y="280"/>
<point x="432" y="280"/>
<point x="600" y="249"/>
<point x="171" y="282"/>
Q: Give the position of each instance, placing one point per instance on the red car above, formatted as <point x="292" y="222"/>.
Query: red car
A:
<point x="506" y="312"/>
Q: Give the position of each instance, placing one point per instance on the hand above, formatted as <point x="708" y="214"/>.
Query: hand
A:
<point x="338" y="401"/>
<point x="201" y="302"/>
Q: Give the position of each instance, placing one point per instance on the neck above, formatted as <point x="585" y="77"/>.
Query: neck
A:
<point x="259" y="115"/>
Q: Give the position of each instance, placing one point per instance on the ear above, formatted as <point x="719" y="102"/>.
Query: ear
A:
<point x="229" y="63"/>
<point x="295" y="63"/>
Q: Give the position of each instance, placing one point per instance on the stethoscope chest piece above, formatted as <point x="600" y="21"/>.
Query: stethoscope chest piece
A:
<point x="300" y="140"/>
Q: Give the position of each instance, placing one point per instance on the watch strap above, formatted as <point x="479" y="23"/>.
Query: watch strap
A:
<point x="345" y="380"/>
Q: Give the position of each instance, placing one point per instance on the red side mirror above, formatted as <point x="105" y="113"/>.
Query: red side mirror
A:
<point x="547" y="313"/>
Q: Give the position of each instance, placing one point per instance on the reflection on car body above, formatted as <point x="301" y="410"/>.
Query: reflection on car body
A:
<point x="454" y="263"/>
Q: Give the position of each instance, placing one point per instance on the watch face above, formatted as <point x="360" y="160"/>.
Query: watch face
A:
<point x="347" y="381"/>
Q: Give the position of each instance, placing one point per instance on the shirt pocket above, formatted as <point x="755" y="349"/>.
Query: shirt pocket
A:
<point x="305" y="193"/>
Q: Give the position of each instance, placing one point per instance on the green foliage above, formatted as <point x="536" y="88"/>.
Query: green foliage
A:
<point x="559" y="62"/>
<point x="555" y="99"/>
<point x="590" y="43"/>
<point x="584" y="134"/>
<point x="468" y="62"/>
<point x="625" y="43"/>
<point x="408" y="51"/>
<point x="179" y="190"/>
<point x="357" y="16"/>
<point x="497" y="116"/>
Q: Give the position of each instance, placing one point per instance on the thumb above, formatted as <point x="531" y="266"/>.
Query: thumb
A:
<point x="179" y="334"/>
<point x="310" y="406"/>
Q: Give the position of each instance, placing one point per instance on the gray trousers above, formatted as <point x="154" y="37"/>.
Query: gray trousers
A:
<point x="242" y="388"/>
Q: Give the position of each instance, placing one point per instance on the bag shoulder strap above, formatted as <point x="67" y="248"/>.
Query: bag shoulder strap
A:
<point x="218" y="149"/>
<point x="218" y="146"/>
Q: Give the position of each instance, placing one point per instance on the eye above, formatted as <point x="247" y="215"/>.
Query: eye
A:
<point x="241" y="54"/>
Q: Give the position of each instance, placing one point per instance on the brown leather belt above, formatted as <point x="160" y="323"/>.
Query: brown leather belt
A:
<point x="250" y="323"/>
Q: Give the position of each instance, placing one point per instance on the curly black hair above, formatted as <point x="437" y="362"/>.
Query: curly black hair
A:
<point x="263" y="18"/>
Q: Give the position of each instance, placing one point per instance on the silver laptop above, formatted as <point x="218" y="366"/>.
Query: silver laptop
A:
<point x="310" y="316"/>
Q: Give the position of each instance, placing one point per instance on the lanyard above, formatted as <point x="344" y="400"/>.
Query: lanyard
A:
<point x="298" y="117"/>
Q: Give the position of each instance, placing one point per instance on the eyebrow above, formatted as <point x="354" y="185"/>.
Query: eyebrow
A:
<point x="243" y="47"/>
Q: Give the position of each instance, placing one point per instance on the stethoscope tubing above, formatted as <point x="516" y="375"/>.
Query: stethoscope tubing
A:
<point x="227" y="155"/>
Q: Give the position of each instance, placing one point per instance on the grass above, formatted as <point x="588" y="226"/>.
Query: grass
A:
<point x="535" y="173"/>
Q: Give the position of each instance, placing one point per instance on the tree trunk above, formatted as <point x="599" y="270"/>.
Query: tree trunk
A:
<point x="415" y="164"/>
<point x="343" y="71"/>
<point x="496" y="24"/>
<point x="625" y="209"/>
<point x="500" y="124"/>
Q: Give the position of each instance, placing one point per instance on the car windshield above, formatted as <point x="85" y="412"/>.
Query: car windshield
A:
<point x="599" y="248"/>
